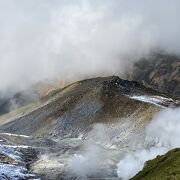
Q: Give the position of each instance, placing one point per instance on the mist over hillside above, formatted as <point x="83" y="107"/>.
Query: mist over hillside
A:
<point x="89" y="89"/>
<point x="72" y="40"/>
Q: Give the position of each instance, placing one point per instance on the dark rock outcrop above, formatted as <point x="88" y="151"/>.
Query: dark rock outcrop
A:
<point x="159" y="71"/>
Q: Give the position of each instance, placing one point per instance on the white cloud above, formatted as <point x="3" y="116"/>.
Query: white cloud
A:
<point x="76" y="39"/>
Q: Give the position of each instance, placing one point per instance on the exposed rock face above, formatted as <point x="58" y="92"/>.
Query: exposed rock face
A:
<point x="161" y="72"/>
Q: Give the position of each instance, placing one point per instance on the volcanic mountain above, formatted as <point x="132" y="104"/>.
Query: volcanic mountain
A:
<point x="104" y="116"/>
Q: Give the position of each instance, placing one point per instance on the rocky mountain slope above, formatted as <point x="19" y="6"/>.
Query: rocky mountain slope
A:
<point x="81" y="104"/>
<point x="159" y="71"/>
<point x="91" y="123"/>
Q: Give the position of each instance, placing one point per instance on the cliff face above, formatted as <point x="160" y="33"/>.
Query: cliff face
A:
<point x="161" y="72"/>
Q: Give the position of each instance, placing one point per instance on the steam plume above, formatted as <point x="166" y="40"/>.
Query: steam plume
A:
<point x="162" y="135"/>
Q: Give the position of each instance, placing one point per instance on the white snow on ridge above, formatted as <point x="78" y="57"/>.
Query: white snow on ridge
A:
<point x="15" y="135"/>
<point x="156" y="100"/>
<point x="19" y="146"/>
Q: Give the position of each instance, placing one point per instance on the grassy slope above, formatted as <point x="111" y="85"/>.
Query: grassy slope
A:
<point x="166" y="167"/>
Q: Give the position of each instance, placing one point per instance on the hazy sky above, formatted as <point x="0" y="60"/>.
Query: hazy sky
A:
<point x="73" y="39"/>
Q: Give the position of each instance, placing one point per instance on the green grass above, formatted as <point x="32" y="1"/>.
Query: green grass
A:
<point x="166" y="167"/>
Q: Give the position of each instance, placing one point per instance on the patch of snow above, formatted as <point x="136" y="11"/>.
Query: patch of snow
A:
<point x="14" y="172"/>
<point x="80" y="136"/>
<point x="11" y="152"/>
<point x="156" y="100"/>
<point x="20" y="146"/>
<point x="15" y="135"/>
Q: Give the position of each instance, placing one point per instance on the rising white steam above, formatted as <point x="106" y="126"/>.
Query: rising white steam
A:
<point x="162" y="135"/>
<point x="95" y="159"/>
<point x="79" y="38"/>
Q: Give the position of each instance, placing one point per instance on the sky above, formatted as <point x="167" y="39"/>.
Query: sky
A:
<point x="76" y="39"/>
